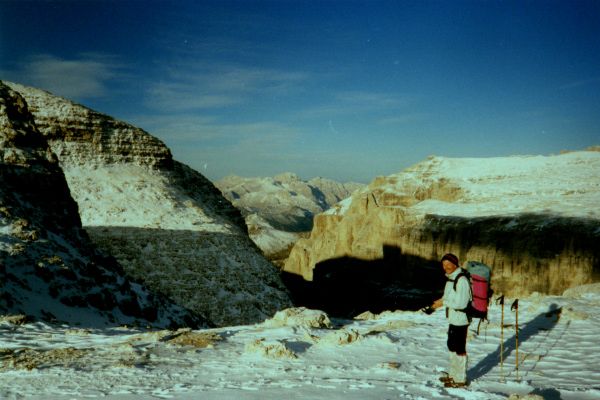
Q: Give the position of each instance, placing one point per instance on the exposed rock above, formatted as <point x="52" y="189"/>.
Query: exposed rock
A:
<point x="341" y="337"/>
<point x="49" y="269"/>
<point x="29" y="359"/>
<point x="186" y="337"/>
<point x="366" y="316"/>
<point x="15" y="319"/>
<point x="164" y="222"/>
<point x="277" y="210"/>
<point x="299" y="317"/>
<point x="530" y="396"/>
<point x="270" y="349"/>
<point x="534" y="220"/>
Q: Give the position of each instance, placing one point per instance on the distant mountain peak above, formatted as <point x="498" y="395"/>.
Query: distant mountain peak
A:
<point x="278" y="209"/>
<point x="286" y="177"/>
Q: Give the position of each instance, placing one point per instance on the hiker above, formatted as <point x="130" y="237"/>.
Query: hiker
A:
<point x="456" y="298"/>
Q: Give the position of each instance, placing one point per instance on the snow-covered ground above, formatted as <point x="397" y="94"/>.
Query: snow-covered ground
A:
<point x="395" y="355"/>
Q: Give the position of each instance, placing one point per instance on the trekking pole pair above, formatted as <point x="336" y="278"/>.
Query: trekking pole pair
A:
<point x="513" y="307"/>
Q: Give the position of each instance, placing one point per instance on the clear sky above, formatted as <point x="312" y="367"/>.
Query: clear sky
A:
<point x="346" y="90"/>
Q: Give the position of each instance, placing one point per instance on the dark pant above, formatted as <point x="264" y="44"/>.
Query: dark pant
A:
<point x="457" y="339"/>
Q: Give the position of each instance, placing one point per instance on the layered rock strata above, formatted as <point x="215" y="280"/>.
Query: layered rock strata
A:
<point x="535" y="220"/>
<point x="164" y="222"/>
<point x="49" y="269"/>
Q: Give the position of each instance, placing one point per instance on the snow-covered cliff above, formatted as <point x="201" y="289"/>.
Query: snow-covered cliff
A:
<point x="164" y="222"/>
<point x="534" y="219"/>
<point x="49" y="269"/>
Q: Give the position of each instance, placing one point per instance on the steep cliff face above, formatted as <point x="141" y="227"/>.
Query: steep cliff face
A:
<point x="48" y="266"/>
<point x="534" y="220"/>
<point x="80" y="136"/>
<point x="280" y="209"/>
<point x="164" y="222"/>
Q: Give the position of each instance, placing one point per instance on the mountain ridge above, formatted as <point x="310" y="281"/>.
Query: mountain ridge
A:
<point x="128" y="187"/>
<point x="50" y="269"/>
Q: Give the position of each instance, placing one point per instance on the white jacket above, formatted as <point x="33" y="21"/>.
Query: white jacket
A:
<point x="457" y="299"/>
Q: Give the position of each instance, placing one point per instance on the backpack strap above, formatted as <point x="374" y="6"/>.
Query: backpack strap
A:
<point x="460" y="275"/>
<point x="455" y="280"/>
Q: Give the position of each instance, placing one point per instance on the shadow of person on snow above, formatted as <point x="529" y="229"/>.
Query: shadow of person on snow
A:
<point x="543" y="322"/>
<point x="548" y="394"/>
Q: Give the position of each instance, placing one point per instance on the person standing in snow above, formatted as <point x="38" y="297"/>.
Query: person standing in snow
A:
<point x="456" y="298"/>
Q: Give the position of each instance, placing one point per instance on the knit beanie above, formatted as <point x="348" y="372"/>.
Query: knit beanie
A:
<point x="452" y="258"/>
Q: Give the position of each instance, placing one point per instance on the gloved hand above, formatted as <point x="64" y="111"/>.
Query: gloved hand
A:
<point x="428" y="310"/>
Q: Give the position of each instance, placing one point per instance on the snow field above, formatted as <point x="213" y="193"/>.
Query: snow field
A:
<point x="395" y="355"/>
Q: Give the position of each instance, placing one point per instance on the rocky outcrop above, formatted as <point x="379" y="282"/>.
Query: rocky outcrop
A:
<point x="279" y="210"/>
<point x="534" y="220"/>
<point x="49" y="269"/>
<point x="164" y="222"/>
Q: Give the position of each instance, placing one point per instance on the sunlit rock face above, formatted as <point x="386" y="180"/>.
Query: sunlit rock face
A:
<point x="49" y="269"/>
<point x="534" y="219"/>
<point x="279" y="210"/>
<point x="164" y="222"/>
<point x="80" y="136"/>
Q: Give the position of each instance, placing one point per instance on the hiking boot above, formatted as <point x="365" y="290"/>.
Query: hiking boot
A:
<point x="453" y="384"/>
<point x="446" y="379"/>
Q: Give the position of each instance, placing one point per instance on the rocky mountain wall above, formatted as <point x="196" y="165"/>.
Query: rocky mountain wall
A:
<point x="206" y="270"/>
<point x="49" y="269"/>
<point x="130" y="192"/>
<point x="536" y="225"/>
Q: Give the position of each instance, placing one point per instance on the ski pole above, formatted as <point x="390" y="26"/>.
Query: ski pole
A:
<point x="500" y="300"/>
<point x="515" y="307"/>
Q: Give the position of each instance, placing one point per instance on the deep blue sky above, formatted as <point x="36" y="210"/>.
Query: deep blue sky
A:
<point x="340" y="89"/>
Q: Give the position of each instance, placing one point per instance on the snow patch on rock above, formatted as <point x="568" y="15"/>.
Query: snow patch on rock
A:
<point x="299" y="317"/>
